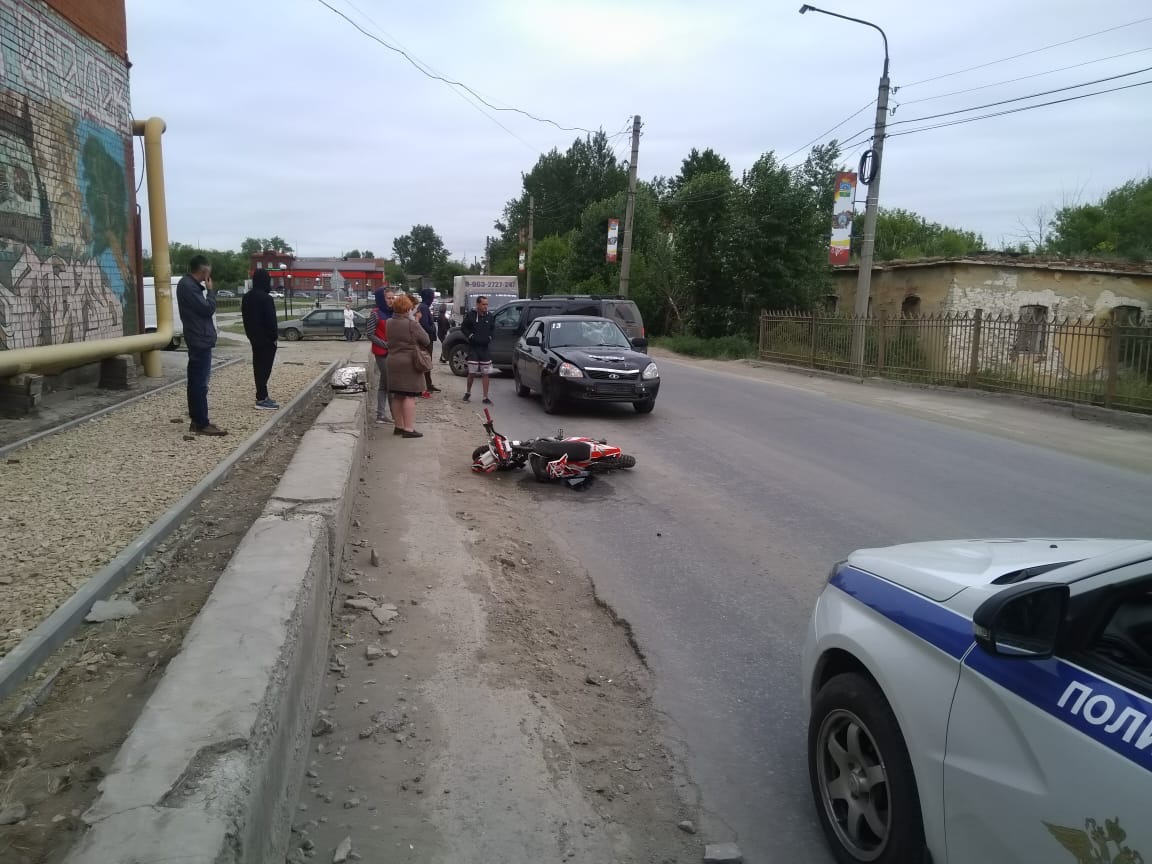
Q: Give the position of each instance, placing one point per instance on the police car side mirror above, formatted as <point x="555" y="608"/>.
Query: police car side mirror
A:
<point x="532" y="340"/>
<point x="640" y="343"/>
<point x="1022" y="621"/>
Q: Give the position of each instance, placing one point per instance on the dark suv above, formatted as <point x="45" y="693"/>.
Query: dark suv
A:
<point x="511" y="320"/>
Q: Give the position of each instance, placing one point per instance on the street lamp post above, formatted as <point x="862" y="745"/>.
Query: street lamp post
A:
<point x="868" y="245"/>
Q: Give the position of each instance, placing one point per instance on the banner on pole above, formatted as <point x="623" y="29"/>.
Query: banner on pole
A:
<point x="523" y="260"/>
<point x="613" y="239"/>
<point x="840" y="248"/>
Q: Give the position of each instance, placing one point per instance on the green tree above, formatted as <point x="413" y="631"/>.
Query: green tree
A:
<point x="354" y="254"/>
<point x="1119" y="224"/>
<point x="394" y="273"/>
<point x="369" y="254"/>
<point x="254" y="245"/>
<point x="563" y="185"/>
<point x="420" y="251"/>
<point x="551" y="264"/>
<point x="444" y="273"/>
<point x="902" y="234"/>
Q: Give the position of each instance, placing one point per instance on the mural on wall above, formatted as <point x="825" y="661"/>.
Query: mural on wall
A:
<point x="66" y="201"/>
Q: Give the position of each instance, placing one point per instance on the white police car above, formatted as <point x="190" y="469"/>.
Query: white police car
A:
<point x="984" y="701"/>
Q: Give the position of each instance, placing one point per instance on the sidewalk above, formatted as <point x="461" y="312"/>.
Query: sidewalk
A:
<point x="489" y="709"/>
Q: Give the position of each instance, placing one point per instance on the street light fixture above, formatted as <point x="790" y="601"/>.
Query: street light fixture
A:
<point x="868" y="244"/>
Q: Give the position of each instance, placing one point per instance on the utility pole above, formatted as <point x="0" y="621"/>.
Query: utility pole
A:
<point x="531" y="242"/>
<point x="868" y="243"/>
<point x="630" y="211"/>
<point x="487" y="269"/>
<point x="871" y="207"/>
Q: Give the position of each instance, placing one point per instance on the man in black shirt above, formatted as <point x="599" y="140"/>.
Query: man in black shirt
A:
<point x="477" y="327"/>
<point x="258" y="310"/>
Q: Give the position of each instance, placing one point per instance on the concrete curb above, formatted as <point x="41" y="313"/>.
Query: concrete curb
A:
<point x="58" y="627"/>
<point x="214" y="762"/>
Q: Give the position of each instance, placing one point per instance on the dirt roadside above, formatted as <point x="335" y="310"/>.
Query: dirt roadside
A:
<point x="92" y="690"/>
<point x="491" y="709"/>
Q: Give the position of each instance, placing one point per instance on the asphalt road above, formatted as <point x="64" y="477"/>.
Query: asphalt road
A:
<point x="749" y="488"/>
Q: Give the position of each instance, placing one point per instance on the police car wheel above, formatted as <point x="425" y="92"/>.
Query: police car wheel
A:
<point x="861" y="775"/>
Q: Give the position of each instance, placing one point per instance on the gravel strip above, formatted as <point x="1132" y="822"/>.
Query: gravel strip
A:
<point x="72" y="502"/>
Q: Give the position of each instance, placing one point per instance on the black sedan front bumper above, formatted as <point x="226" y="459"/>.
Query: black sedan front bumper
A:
<point x="598" y="390"/>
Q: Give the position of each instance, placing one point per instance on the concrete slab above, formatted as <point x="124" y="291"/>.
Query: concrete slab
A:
<point x="343" y="411"/>
<point x="321" y="478"/>
<point x="209" y="768"/>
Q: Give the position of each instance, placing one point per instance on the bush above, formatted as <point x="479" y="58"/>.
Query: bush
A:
<point x="722" y="348"/>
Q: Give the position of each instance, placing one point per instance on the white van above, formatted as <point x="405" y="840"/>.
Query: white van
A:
<point x="150" y="312"/>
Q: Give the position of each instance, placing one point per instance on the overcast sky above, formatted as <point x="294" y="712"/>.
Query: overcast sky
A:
<point x="283" y="119"/>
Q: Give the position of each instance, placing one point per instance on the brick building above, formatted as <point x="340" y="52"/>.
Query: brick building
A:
<point x="69" y="238"/>
<point x="314" y="276"/>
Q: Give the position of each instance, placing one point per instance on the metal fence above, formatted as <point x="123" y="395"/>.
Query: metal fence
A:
<point x="1107" y="364"/>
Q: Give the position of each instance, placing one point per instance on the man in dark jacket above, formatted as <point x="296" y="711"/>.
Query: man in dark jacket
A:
<point x="424" y="314"/>
<point x="477" y="326"/>
<point x="196" y="299"/>
<point x="258" y="310"/>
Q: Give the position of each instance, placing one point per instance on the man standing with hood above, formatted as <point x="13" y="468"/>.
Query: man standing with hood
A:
<point x="196" y="300"/>
<point x="378" y="336"/>
<point x="258" y="310"/>
<point x="424" y="315"/>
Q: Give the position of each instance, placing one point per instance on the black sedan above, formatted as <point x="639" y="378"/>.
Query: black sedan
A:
<point x="582" y="358"/>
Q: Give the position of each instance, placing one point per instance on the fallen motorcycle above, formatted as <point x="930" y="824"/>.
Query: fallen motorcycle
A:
<point x="574" y="460"/>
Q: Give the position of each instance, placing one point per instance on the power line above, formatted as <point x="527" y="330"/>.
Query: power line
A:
<point x="1022" y="78"/>
<point x="823" y="135"/>
<point x="1020" y="109"/>
<point x="429" y="74"/>
<point x="1022" y="98"/>
<point x="427" y="66"/>
<point x="1026" y="53"/>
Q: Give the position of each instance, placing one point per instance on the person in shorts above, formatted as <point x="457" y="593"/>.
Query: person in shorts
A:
<point x="477" y="327"/>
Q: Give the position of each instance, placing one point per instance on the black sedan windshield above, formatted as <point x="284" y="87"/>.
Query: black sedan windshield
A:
<point x="586" y="334"/>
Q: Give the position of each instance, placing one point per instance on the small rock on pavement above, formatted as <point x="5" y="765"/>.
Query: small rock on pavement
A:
<point x="342" y="851"/>
<point x="322" y="726"/>
<point x="687" y="826"/>
<point x="392" y="652"/>
<point x="374" y="559"/>
<point x="722" y="853"/>
<point x="110" y="610"/>
<point x="364" y="604"/>
<point x="373" y="652"/>
<point x="385" y="613"/>
<point x="13" y="813"/>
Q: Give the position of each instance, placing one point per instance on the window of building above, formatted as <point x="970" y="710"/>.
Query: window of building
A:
<point x="1032" y="330"/>
<point x="1127" y="316"/>
<point x="910" y="308"/>
<point x="829" y="303"/>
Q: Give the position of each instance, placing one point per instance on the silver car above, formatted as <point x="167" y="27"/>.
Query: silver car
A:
<point x="321" y="323"/>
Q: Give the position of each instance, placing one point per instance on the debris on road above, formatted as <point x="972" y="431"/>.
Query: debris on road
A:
<point x="687" y="826"/>
<point x="342" y="851"/>
<point x="373" y="652"/>
<point x="722" y="853"/>
<point x="111" y="610"/>
<point x="13" y="813"/>
<point x="363" y="604"/>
